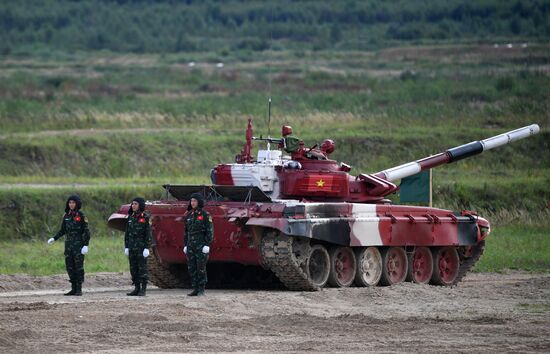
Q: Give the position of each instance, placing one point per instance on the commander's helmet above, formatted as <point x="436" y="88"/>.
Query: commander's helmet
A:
<point x="287" y="130"/>
<point x="328" y="146"/>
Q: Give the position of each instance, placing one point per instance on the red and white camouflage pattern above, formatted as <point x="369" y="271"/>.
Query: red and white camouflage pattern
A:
<point x="308" y="196"/>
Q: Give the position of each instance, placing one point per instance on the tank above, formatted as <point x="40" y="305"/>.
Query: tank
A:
<point x="294" y="218"/>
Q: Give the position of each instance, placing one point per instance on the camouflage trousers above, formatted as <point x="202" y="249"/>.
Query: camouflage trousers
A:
<point x="74" y="263"/>
<point x="196" y="264"/>
<point x="138" y="266"/>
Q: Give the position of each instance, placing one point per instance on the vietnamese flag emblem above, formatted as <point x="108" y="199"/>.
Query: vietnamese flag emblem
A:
<point x="77" y="218"/>
<point x="322" y="182"/>
<point x="142" y="220"/>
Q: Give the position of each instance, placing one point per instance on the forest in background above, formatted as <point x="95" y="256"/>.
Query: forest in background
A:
<point x="32" y="27"/>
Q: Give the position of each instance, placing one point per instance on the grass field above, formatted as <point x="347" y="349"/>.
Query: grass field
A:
<point x="114" y="126"/>
<point x="515" y="246"/>
<point x="38" y="258"/>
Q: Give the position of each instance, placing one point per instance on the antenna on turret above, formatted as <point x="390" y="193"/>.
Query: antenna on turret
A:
<point x="269" y="117"/>
<point x="269" y="78"/>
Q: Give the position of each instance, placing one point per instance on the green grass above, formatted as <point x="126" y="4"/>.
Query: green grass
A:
<point x="36" y="213"/>
<point x="112" y="126"/>
<point x="535" y="308"/>
<point x="508" y="247"/>
<point x="106" y="254"/>
<point x="518" y="246"/>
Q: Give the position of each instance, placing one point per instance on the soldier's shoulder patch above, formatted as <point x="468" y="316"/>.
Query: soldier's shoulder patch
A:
<point x="85" y="219"/>
<point x="210" y="218"/>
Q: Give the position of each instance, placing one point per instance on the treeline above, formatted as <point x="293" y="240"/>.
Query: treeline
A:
<point x="185" y="26"/>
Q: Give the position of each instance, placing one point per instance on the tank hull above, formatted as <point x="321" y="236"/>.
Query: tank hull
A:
<point x="279" y="235"/>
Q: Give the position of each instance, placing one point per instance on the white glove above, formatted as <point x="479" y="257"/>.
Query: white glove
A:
<point x="84" y="250"/>
<point x="205" y="249"/>
<point x="185" y="249"/>
<point x="51" y="240"/>
<point x="126" y="252"/>
<point x="145" y="253"/>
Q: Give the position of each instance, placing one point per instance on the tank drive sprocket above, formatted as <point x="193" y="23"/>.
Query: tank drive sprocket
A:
<point x="468" y="263"/>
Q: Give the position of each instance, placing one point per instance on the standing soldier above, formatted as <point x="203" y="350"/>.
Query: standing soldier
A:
<point x="137" y="240"/>
<point x="197" y="239"/>
<point x="77" y="237"/>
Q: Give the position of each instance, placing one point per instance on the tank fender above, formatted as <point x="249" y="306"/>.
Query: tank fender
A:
<point x="329" y="230"/>
<point x="118" y="221"/>
<point x="484" y="228"/>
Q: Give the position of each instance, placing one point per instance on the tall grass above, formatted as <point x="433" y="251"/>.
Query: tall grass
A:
<point x="111" y="127"/>
<point x="106" y="254"/>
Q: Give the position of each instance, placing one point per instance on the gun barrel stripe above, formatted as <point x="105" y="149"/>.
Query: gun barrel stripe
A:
<point x="456" y="153"/>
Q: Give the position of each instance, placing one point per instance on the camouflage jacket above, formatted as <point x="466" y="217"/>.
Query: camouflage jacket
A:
<point x="138" y="232"/>
<point x="198" y="229"/>
<point x="75" y="229"/>
<point x="292" y="144"/>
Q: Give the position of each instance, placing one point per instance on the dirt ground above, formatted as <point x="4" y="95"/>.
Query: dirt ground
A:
<point x="486" y="312"/>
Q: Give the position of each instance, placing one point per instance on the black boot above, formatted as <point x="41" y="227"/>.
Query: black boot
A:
<point x="73" y="290"/>
<point x="143" y="289"/>
<point x="200" y="291"/>
<point x="78" y="289"/>
<point x="136" y="290"/>
<point x="194" y="292"/>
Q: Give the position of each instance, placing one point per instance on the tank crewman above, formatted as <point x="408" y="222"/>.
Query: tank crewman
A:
<point x="137" y="241"/>
<point x="197" y="239"/>
<point x="291" y="143"/>
<point x="77" y="237"/>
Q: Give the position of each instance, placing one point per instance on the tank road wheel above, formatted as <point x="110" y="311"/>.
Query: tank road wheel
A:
<point x="318" y="265"/>
<point x="420" y="265"/>
<point x="369" y="266"/>
<point x="342" y="266"/>
<point x="394" y="265"/>
<point x="446" y="264"/>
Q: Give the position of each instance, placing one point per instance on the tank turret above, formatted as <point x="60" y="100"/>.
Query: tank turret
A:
<point x="319" y="178"/>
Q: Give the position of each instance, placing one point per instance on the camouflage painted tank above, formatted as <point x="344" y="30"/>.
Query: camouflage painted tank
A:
<point x="295" y="217"/>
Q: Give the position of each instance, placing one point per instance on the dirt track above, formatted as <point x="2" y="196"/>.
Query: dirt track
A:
<point x="487" y="312"/>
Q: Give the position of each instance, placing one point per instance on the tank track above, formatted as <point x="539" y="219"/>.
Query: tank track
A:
<point x="220" y="276"/>
<point x="467" y="264"/>
<point x="164" y="277"/>
<point x="287" y="258"/>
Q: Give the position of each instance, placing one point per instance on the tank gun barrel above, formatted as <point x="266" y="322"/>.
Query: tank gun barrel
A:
<point x="456" y="153"/>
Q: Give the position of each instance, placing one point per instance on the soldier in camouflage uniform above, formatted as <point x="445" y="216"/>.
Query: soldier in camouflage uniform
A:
<point x="290" y="143"/>
<point x="197" y="239"/>
<point x="77" y="237"/>
<point x="137" y="241"/>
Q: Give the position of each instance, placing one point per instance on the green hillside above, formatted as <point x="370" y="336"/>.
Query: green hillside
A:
<point x="110" y="105"/>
